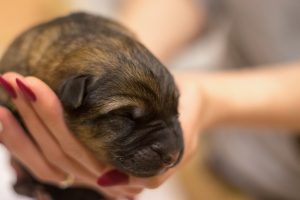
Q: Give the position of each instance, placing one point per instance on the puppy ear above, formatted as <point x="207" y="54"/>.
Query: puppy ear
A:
<point x="74" y="89"/>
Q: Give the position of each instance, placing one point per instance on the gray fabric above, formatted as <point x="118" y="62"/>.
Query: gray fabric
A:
<point x="263" y="162"/>
<point x="263" y="31"/>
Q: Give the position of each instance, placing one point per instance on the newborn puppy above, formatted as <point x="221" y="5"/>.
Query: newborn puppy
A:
<point x="119" y="100"/>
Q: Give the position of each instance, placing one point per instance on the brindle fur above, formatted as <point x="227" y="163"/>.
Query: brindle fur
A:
<point x="127" y="114"/>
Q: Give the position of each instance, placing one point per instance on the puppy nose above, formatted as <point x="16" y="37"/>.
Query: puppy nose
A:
<point x="169" y="160"/>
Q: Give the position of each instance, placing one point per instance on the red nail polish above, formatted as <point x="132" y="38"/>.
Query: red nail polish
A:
<point x="8" y="88"/>
<point x="113" y="177"/>
<point x="26" y="90"/>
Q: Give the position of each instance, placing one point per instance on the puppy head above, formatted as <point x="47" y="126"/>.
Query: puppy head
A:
<point x="127" y="116"/>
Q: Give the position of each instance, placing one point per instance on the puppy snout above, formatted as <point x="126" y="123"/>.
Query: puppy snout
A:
<point x="168" y="159"/>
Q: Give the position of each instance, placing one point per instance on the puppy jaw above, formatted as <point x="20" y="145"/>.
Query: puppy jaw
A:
<point x="154" y="147"/>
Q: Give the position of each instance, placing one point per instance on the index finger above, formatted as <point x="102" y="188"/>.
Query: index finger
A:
<point x="49" y="109"/>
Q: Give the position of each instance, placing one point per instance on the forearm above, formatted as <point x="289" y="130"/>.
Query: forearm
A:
<point x="164" y="26"/>
<point x="256" y="97"/>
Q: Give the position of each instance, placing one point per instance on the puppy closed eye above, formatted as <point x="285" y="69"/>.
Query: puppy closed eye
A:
<point x="130" y="112"/>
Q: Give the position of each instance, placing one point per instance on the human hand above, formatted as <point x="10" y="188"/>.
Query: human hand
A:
<point x="55" y="153"/>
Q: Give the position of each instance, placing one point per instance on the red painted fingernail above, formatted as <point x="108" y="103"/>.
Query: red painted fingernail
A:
<point x="26" y="90"/>
<point x="113" y="177"/>
<point x="8" y="88"/>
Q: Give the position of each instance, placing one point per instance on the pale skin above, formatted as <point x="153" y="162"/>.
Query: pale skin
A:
<point x="259" y="97"/>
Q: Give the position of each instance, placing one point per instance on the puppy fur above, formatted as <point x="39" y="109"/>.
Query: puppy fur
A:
<point x="119" y="100"/>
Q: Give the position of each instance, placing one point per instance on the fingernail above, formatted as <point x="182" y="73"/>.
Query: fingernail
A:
<point x="8" y="88"/>
<point x="26" y="90"/>
<point x="113" y="177"/>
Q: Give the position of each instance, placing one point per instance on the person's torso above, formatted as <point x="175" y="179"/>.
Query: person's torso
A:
<point x="264" y="31"/>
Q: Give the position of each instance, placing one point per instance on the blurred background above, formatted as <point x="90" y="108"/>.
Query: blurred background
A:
<point x="210" y="51"/>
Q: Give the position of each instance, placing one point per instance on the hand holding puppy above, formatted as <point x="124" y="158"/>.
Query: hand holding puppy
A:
<point x="54" y="153"/>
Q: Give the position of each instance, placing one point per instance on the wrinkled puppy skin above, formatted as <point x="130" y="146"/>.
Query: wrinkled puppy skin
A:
<point x="119" y="100"/>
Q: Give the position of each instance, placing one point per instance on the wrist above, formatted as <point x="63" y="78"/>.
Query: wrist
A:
<point x="196" y="101"/>
<point x="214" y="107"/>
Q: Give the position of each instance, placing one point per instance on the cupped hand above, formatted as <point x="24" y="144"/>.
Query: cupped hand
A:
<point x="53" y="154"/>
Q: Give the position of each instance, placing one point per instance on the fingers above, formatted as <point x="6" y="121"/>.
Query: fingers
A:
<point x="152" y="182"/>
<point x="56" y="151"/>
<point x="124" y="192"/>
<point x="50" y="111"/>
<point x="53" y="139"/>
<point x="46" y="143"/>
<point x="24" y="150"/>
<point x="131" y="191"/>
<point x="47" y="109"/>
